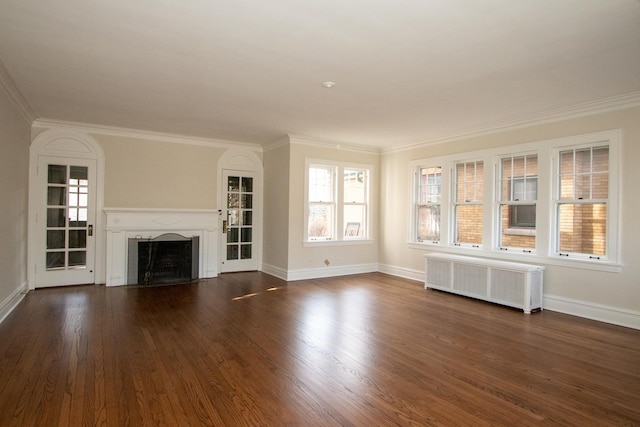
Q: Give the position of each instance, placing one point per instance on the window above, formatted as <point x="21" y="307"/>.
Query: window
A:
<point x="553" y="202"/>
<point x="468" y="203"/>
<point x="518" y="184"/>
<point x="322" y="205"/>
<point x="582" y="201"/>
<point x="428" y="200"/>
<point x="338" y="209"/>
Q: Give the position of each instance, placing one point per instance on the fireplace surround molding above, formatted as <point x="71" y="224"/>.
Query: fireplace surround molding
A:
<point x="125" y="224"/>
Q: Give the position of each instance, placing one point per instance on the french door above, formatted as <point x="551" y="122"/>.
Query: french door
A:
<point x="65" y="243"/>
<point x="239" y="252"/>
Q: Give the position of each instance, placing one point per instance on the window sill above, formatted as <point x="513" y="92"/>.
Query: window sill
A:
<point x="585" y="264"/>
<point x="520" y="231"/>
<point x="320" y="243"/>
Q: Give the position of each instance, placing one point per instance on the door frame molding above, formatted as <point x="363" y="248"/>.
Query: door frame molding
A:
<point x="68" y="145"/>
<point x="242" y="161"/>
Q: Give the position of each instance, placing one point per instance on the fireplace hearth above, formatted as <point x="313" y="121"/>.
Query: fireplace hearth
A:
<point x="167" y="259"/>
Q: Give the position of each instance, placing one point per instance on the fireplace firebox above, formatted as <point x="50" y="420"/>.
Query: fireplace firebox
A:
<point x="166" y="259"/>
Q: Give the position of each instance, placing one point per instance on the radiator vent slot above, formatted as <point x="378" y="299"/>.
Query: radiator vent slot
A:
<point x="469" y="278"/>
<point x="508" y="283"/>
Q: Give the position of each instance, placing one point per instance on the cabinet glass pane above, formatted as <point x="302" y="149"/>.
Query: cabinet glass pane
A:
<point x="55" y="239"/>
<point x="57" y="174"/>
<point x="55" y="217"/>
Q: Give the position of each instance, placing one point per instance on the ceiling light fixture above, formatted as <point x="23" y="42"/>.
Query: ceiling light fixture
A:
<point x="328" y="84"/>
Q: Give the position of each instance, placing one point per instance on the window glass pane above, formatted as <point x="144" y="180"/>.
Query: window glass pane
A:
<point x="55" y="260"/>
<point x="246" y="201"/>
<point x="320" y="221"/>
<point x="77" y="238"/>
<point x="514" y="234"/>
<point x="233" y="183"/>
<point x="55" y="217"/>
<point x="321" y="184"/>
<point x="56" y="196"/>
<point x="57" y="174"/>
<point x="77" y="258"/>
<point x="79" y="173"/>
<point x="245" y="251"/>
<point x="354" y="220"/>
<point x="429" y="222"/>
<point x="55" y="239"/>
<point x="232" y="252"/>
<point x="245" y="234"/>
<point x="247" y="218"/>
<point x="247" y="185"/>
<point x="354" y="186"/>
<point x="468" y="224"/>
<point x="232" y="235"/>
<point x="582" y="228"/>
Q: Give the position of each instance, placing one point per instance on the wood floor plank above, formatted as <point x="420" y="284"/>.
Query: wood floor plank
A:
<point x="248" y="349"/>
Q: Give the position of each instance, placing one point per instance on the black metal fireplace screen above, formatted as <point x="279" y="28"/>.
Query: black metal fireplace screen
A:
<point x="169" y="258"/>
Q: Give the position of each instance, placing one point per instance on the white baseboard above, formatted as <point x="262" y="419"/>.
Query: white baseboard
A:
<point x="12" y="301"/>
<point x="589" y="310"/>
<point x="406" y="273"/>
<point x="278" y="272"/>
<point x="318" y="273"/>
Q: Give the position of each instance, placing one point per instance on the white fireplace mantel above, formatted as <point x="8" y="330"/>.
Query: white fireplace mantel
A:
<point x="123" y="224"/>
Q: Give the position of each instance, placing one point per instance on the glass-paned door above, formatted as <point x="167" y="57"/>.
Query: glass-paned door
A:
<point x="65" y="222"/>
<point x="239" y="229"/>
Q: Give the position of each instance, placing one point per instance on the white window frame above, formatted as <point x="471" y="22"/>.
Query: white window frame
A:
<point x="546" y="212"/>
<point x="338" y="226"/>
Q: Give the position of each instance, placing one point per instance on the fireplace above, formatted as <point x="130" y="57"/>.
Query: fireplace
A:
<point x="168" y="258"/>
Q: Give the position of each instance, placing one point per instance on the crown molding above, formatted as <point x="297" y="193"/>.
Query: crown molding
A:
<point x="621" y="102"/>
<point x="142" y="134"/>
<point x="15" y="95"/>
<point x="315" y="142"/>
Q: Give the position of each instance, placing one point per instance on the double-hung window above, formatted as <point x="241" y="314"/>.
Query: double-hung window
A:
<point x="582" y="201"/>
<point x="337" y="202"/>
<point x="518" y="193"/>
<point x="428" y="203"/>
<point x="468" y="203"/>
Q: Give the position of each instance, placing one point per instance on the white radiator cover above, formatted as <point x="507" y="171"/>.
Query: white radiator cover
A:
<point x="508" y="283"/>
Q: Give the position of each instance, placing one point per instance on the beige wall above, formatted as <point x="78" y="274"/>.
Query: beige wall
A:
<point x="301" y="257"/>
<point x="142" y="173"/>
<point x="276" y="208"/>
<point x="14" y="182"/>
<point x="620" y="290"/>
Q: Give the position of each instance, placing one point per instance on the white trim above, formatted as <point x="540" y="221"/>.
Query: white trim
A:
<point x="605" y="105"/>
<point x="15" y="95"/>
<point x="97" y="129"/>
<point x="593" y="311"/>
<point x="12" y="301"/>
<point x="318" y="273"/>
<point x="406" y="273"/>
<point x="272" y="270"/>
<point x="334" y="145"/>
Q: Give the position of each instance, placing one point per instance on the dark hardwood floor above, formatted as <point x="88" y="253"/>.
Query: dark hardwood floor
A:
<point x="248" y="349"/>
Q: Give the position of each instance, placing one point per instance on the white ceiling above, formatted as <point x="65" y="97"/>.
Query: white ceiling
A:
<point x="406" y="71"/>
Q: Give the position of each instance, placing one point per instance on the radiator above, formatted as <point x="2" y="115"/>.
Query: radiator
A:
<point x="508" y="283"/>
